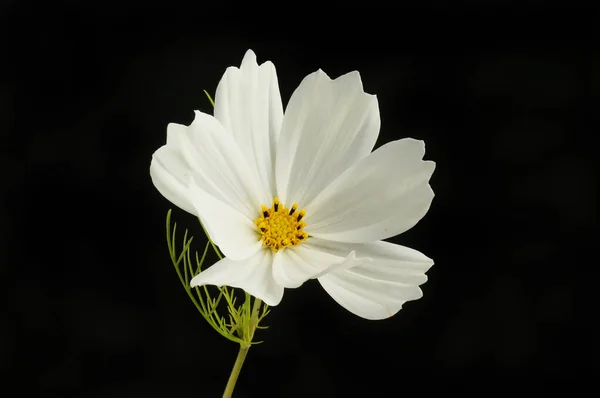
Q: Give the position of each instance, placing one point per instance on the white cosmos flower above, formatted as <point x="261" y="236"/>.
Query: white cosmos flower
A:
<point x="293" y="197"/>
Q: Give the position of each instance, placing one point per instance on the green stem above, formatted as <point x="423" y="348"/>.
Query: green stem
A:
<point x="239" y="361"/>
<point x="235" y="372"/>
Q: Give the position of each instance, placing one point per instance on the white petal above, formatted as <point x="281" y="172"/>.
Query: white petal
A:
<point x="377" y="289"/>
<point x="179" y="142"/>
<point x="169" y="173"/>
<point x="381" y="196"/>
<point x="328" y="126"/>
<point x="295" y="265"/>
<point x="253" y="275"/>
<point x="248" y="104"/>
<point x="217" y="164"/>
<point x="234" y="233"/>
<point x="174" y="166"/>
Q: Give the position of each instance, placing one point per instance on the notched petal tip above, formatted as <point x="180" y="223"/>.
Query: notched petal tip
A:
<point x="250" y="60"/>
<point x="351" y="78"/>
<point x="320" y="73"/>
<point x="416" y="144"/>
<point x="249" y="57"/>
<point x="205" y="120"/>
<point x="173" y="132"/>
<point x="431" y="165"/>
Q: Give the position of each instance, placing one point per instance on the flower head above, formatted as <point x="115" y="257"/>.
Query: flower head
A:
<point x="298" y="196"/>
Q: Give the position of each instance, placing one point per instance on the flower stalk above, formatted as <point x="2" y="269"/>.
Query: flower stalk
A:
<point x="235" y="372"/>
<point x="243" y="352"/>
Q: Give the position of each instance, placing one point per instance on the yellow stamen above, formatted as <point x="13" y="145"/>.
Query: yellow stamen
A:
<point x="280" y="227"/>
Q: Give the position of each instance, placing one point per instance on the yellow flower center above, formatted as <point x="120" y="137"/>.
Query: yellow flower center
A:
<point x="281" y="227"/>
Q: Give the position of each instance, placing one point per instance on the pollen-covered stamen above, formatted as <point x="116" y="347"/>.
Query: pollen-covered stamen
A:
<point x="281" y="227"/>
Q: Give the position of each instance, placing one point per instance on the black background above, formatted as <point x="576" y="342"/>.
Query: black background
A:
<point x="503" y="98"/>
